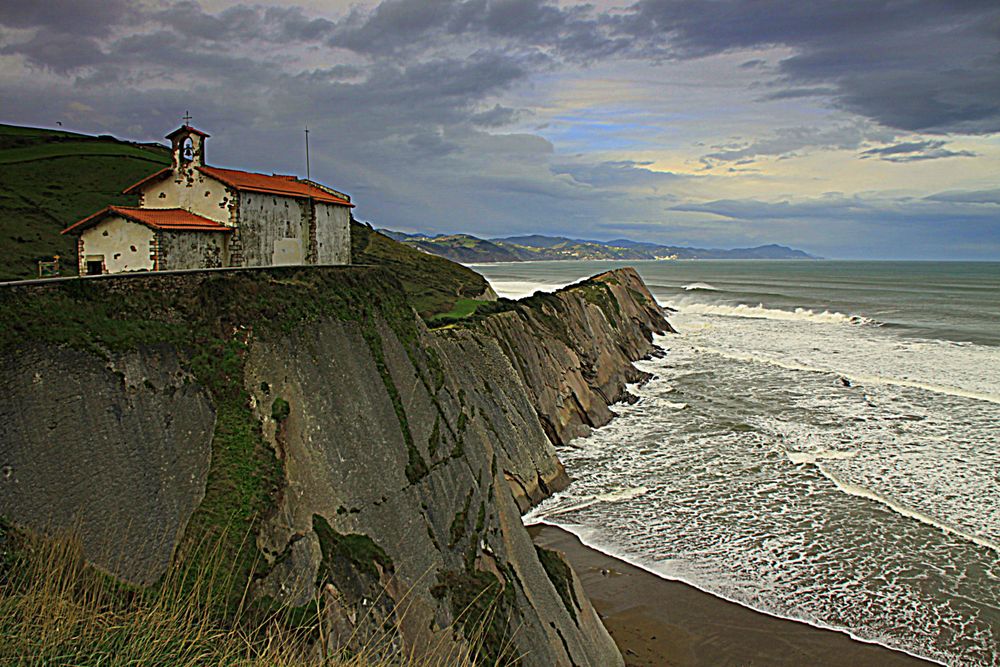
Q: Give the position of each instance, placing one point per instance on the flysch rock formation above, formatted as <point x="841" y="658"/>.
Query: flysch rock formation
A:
<point x="574" y="348"/>
<point x="401" y="458"/>
<point x="80" y="435"/>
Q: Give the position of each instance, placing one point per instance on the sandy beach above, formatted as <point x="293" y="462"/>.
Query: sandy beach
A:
<point x="656" y="622"/>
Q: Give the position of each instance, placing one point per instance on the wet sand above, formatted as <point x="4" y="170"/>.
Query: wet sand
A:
<point x="657" y="623"/>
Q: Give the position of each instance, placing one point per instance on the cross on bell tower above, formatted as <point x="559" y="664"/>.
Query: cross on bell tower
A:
<point x="186" y="118"/>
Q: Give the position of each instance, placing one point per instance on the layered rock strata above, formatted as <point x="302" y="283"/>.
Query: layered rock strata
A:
<point x="574" y="348"/>
<point x="370" y="460"/>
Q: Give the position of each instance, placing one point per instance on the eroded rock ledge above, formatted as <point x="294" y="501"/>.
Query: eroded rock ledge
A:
<point x="370" y="460"/>
<point x="574" y="349"/>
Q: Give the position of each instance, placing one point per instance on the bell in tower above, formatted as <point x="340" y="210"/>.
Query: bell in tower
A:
<point x="188" y="147"/>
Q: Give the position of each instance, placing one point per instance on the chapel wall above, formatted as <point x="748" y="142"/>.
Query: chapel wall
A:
<point x="333" y="234"/>
<point x="274" y="230"/>
<point x="123" y="245"/>
<point x="193" y="250"/>
<point x="193" y="191"/>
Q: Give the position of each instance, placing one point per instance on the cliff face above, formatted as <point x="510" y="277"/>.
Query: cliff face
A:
<point x="369" y="461"/>
<point x="84" y="440"/>
<point x="573" y="349"/>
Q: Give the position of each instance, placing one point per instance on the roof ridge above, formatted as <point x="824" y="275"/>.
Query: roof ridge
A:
<point x="280" y="184"/>
<point x="275" y="184"/>
<point x="173" y="219"/>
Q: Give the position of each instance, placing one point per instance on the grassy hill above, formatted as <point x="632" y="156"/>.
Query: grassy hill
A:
<point x="456" y="247"/>
<point x="50" y="179"/>
<point x="470" y="249"/>
<point x="437" y="287"/>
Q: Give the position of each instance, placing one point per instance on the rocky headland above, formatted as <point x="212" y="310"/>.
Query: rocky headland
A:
<point x="312" y="428"/>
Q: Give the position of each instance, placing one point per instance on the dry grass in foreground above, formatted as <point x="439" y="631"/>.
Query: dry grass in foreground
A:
<point x="57" y="610"/>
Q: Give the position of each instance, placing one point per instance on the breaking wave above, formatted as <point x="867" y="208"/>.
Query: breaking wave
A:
<point x="540" y="512"/>
<point x="761" y="312"/>
<point x="902" y="509"/>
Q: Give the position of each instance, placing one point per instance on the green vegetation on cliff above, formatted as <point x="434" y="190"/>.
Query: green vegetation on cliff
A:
<point x="209" y="318"/>
<point x="103" y="316"/>
<point x="435" y="285"/>
<point x="57" y="610"/>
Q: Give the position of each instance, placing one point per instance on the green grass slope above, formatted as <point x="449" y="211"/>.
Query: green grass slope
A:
<point x="435" y="286"/>
<point x="50" y="179"/>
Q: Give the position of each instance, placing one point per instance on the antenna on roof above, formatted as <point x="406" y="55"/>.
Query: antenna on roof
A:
<point x="186" y="117"/>
<point x="308" y="176"/>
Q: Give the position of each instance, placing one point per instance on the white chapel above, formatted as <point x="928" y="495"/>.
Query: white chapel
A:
<point x="193" y="216"/>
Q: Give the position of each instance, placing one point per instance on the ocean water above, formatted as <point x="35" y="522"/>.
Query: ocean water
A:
<point x="821" y="442"/>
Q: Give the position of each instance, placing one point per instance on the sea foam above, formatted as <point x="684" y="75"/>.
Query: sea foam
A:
<point x="900" y="508"/>
<point x="762" y="312"/>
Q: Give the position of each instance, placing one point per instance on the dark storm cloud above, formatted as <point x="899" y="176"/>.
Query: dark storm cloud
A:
<point x="52" y="50"/>
<point x="71" y="17"/>
<point x="66" y="31"/>
<point x="498" y="116"/>
<point x="187" y="47"/>
<point x="402" y="98"/>
<point x="789" y="141"/>
<point x="243" y="22"/>
<point x="914" y="65"/>
<point x="399" y="99"/>
<point x="914" y="151"/>
<point x="398" y="27"/>
<point x="795" y="93"/>
<point x="917" y="65"/>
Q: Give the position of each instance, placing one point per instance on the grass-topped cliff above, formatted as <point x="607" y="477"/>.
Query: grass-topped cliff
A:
<point x="437" y="287"/>
<point x="349" y="469"/>
<point x="50" y="179"/>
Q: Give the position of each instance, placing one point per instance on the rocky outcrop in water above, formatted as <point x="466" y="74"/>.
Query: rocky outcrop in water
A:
<point x="369" y="460"/>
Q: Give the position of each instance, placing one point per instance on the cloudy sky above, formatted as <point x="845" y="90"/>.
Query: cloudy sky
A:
<point x="848" y="128"/>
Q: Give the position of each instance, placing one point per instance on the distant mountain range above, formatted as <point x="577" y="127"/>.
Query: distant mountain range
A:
<point x="470" y="249"/>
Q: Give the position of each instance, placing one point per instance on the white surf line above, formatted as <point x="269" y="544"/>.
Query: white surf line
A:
<point x="582" y="533"/>
<point x="761" y="312"/>
<point x="539" y="513"/>
<point x="855" y="378"/>
<point x="898" y="508"/>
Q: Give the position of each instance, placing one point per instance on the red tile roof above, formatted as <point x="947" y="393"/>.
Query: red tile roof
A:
<point x="173" y="219"/>
<point x="277" y="184"/>
<point x="187" y="128"/>
<point x="287" y="186"/>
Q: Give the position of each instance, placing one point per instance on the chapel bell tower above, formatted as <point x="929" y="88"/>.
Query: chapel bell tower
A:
<point x="187" y="146"/>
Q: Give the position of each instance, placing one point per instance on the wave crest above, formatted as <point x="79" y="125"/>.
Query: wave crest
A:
<point x="762" y="312"/>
